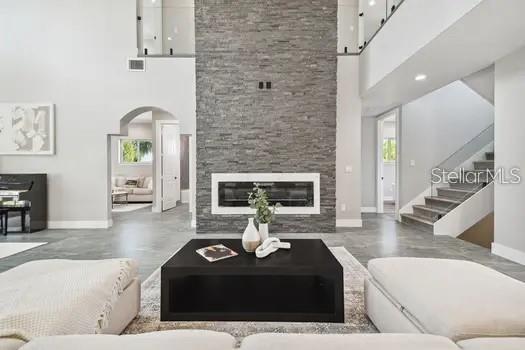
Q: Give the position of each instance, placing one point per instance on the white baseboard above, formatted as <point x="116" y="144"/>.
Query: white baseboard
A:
<point x="60" y="225"/>
<point x="348" y="223"/>
<point x="508" y="253"/>
<point x="368" y="210"/>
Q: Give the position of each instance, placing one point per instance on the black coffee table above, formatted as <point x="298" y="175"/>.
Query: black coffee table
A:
<point x="304" y="284"/>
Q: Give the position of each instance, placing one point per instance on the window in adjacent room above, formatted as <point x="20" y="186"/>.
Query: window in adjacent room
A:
<point x="389" y="149"/>
<point x="135" y="151"/>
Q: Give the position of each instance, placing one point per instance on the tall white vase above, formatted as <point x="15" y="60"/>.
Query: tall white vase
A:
<point x="251" y="238"/>
<point x="263" y="231"/>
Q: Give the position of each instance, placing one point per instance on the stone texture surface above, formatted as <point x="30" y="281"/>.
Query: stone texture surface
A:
<point x="290" y="128"/>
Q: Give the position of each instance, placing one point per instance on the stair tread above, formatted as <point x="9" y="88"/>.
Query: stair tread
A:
<point x="459" y="190"/>
<point x="444" y="199"/>
<point x="432" y="209"/>
<point x="419" y="219"/>
<point x="484" y="161"/>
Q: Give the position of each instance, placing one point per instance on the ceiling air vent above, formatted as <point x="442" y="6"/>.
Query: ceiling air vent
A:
<point x="136" y="64"/>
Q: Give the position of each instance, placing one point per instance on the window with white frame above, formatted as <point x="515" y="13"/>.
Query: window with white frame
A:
<point x="135" y="151"/>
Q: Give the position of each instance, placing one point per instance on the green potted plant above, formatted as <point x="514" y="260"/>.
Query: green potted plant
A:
<point x="264" y="213"/>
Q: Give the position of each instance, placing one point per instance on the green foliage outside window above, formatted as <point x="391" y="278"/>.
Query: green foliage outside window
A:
<point x="389" y="150"/>
<point x="136" y="151"/>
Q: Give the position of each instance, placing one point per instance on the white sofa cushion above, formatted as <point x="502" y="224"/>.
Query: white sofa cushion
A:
<point x="347" y="342"/>
<point x="118" y="181"/>
<point x="148" y="182"/>
<point x="453" y="298"/>
<point x="493" y="344"/>
<point x="168" y="340"/>
<point x="141" y="191"/>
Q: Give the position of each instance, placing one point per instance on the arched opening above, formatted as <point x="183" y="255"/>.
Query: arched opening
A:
<point x="148" y="163"/>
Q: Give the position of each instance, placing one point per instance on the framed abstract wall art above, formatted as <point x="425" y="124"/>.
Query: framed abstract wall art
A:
<point x="27" y="129"/>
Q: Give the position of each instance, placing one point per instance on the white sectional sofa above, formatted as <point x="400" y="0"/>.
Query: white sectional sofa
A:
<point x="418" y="304"/>
<point x="460" y="300"/>
<point x="206" y="340"/>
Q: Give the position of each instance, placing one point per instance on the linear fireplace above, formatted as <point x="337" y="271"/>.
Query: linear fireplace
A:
<point x="297" y="193"/>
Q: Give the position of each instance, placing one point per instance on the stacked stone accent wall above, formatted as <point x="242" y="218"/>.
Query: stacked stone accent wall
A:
<point x="288" y="128"/>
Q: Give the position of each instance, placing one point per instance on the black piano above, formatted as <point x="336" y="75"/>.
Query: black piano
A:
<point x="23" y="202"/>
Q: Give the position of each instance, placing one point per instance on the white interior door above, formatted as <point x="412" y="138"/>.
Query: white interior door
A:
<point x="170" y="165"/>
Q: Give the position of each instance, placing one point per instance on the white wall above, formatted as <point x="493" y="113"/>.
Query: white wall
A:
<point x="348" y="148"/>
<point x="509" y="200"/>
<point x="433" y="128"/>
<point x="73" y="53"/>
<point x="482" y="82"/>
<point x="142" y="131"/>
<point x="368" y="162"/>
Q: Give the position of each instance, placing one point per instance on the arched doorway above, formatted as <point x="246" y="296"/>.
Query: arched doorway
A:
<point x="146" y="163"/>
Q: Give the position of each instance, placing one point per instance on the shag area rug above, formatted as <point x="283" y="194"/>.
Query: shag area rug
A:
<point x="356" y="320"/>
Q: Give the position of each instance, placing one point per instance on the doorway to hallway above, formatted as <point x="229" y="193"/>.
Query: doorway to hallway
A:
<point x="387" y="163"/>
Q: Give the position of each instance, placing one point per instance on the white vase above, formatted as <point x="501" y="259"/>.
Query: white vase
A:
<point x="250" y="238"/>
<point x="263" y="232"/>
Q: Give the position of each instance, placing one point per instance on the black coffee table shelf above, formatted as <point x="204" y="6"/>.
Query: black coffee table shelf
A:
<point x="304" y="284"/>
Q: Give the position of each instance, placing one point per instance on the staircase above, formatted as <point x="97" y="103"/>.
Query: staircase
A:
<point x="448" y="198"/>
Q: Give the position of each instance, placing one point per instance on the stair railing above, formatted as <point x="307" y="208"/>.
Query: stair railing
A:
<point x="458" y="169"/>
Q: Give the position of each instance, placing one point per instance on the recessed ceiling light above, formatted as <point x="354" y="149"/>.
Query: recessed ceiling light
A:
<point x="420" y="77"/>
<point x="372" y="2"/>
<point x="169" y="38"/>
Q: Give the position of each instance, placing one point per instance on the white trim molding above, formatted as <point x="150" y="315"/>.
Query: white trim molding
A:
<point x="193" y="223"/>
<point x="349" y="223"/>
<point x="508" y="253"/>
<point x="61" y="225"/>
<point x="368" y="210"/>
<point x="264" y="177"/>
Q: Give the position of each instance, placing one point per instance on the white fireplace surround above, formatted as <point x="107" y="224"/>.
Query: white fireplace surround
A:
<point x="264" y="177"/>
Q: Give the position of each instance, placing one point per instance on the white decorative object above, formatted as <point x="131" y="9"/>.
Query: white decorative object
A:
<point x="27" y="128"/>
<point x="269" y="246"/>
<point x="315" y="178"/>
<point x="263" y="232"/>
<point x="251" y="238"/>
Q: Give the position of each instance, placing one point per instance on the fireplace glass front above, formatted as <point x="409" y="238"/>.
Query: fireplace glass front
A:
<point x="286" y="193"/>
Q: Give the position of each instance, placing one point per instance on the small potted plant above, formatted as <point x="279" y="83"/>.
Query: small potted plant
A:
<point x="264" y="213"/>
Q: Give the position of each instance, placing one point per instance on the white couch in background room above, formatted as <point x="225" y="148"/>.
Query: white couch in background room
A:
<point x="142" y="192"/>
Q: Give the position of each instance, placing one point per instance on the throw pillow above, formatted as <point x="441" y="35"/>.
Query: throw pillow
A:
<point x="131" y="184"/>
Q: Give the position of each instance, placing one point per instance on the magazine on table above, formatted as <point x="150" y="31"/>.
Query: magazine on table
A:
<point x="216" y="252"/>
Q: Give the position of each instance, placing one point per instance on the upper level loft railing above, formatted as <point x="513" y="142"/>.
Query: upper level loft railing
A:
<point x="360" y="20"/>
<point x="166" y="28"/>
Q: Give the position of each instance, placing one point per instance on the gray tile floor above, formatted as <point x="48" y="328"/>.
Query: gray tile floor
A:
<point x="152" y="238"/>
